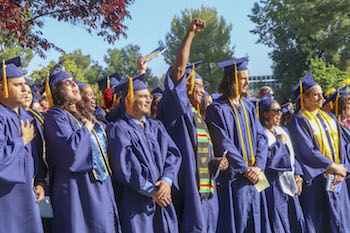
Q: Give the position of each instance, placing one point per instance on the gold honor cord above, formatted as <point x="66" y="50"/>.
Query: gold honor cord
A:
<point x="336" y="150"/>
<point x="257" y="109"/>
<point x="241" y="135"/>
<point x="38" y="116"/>
<point x="4" y="79"/>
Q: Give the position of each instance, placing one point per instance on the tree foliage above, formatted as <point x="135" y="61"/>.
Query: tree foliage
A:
<point x="124" y="61"/>
<point x="21" y="21"/>
<point x="299" y="30"/>
<point x="211" y="45"/>
<point x="13" y="50"/>
<point x="328" y="76"/>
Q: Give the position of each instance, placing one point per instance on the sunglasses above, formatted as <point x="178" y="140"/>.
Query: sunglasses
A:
<point x="276" y="110"/>
<point x="68" y="83"/>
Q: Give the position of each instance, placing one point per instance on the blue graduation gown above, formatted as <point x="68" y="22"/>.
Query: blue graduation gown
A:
<point x="324" y="211"/>
<point x="174" y="110"/>
<point x="80" y="203"/>
<point x="242" y="207"/>
<point x="285" y="212"/>
<point x="19" y="165"/>
<point x="139" y="158"/>
<point x="101" y="112"/>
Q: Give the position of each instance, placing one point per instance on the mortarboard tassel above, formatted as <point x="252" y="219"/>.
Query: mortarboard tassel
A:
<point x="4" y="79"/>
<point x="198" y="109"/>
<point x="336" y="103"/>
<point x="301" y="95"/>
<point x="114" y="100"/>
<point x="108" y="83"/>
<point x="48" y="91"/>
<point x="131" y="92"/>
<point x="236" y="78"/>
<point x="191" y="79"/>
<point x="257" y="109"/>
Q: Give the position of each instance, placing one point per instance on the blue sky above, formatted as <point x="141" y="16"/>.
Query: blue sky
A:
<point x="150" y="22"/>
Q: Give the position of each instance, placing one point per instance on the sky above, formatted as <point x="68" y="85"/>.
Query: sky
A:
<point x="151" y="20"/>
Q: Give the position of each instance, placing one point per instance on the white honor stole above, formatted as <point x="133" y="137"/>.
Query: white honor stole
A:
<point x="287" y="180"/>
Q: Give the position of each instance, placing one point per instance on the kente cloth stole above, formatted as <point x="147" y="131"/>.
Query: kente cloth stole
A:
<point x="98" y="138"/>
<point x="203" y="154"/>
<point x="326" y="133"/>
<point x="251" y="161"/>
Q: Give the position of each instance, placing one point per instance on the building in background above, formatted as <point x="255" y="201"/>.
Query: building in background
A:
<point x="256" y="82"/>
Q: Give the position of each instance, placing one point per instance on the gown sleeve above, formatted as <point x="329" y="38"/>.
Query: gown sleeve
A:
<point x="12" y="157"/>
<point x="70" y="149"/>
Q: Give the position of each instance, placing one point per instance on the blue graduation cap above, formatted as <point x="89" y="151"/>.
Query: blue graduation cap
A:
<point x="234" y="65"/>
<point x="9" y="71"/>
<point x="205" y="86"/>
<point x="36" y="97"/>
<point x="216" y="96"/>
<point x="157" y="91"/>
<point x="303" y="85"/>
<point x="192" y="75"/>
<point x="80" y="84"/>
<point x="129" y="85"/>
<point x="335" y="96"/>
<point x="56" y="78"/>
<point x="285" y="109"/>
<point x="266" y="101"/>
<point x="108" y="82"/>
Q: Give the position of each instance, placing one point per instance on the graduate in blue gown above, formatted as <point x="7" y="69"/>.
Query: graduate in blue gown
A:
<point x="283" y="172"/>
<point x="20" y="163"/>
<point x="145" y="162"/>
<point x="196" y="202"/>
<point x="234" y="125"/>
<point x="81" y="187"/>
<point x="321" y="151"/>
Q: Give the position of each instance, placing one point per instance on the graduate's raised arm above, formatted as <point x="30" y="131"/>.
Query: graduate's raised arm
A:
<point x="183" y="53"/>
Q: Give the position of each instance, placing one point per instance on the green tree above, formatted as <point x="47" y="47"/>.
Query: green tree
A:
<point x="300" y="30"/>
<point x="212" y="45"/>
<point x="124" y="61"/>
<point x="10" y="50"/>
<point x="328" y="76"/>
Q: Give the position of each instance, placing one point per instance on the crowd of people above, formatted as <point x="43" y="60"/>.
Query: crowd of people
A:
<point x="172" y="160"/>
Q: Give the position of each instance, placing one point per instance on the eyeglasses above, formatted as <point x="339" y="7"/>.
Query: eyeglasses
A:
<point x="145" y="96"/>
<point x="276" y="110"/>
<point x="68" y="83"/>
<point x="201" y="86"/>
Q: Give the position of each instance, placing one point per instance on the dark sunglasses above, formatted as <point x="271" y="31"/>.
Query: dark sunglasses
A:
<point x="276" y="110"/>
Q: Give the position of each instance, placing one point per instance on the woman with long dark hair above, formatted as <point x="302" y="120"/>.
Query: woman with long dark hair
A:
<point x="282" y="171"/>
<point x="82" y="193"/>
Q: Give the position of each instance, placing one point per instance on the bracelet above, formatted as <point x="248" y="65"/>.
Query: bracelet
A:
<point x="299" y="178"/>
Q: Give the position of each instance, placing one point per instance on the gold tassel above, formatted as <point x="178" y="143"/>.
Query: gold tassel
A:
<point x="301" y="95"/>
<point x="48" y="91"/>
<point x="336" y="103"/>
<point x="131" y="92"/>
<point x="114" y="103"/>
<point x="257" y="108"/>
<point x="198" y="109"/>
<point x="236" y="78"/>
<point x="191" y="79"/>
<point x="4" y="79"/>
<point x="108" y="83"/>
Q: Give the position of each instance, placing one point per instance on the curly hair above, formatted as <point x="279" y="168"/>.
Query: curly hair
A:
<point x="59" y="96"/>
